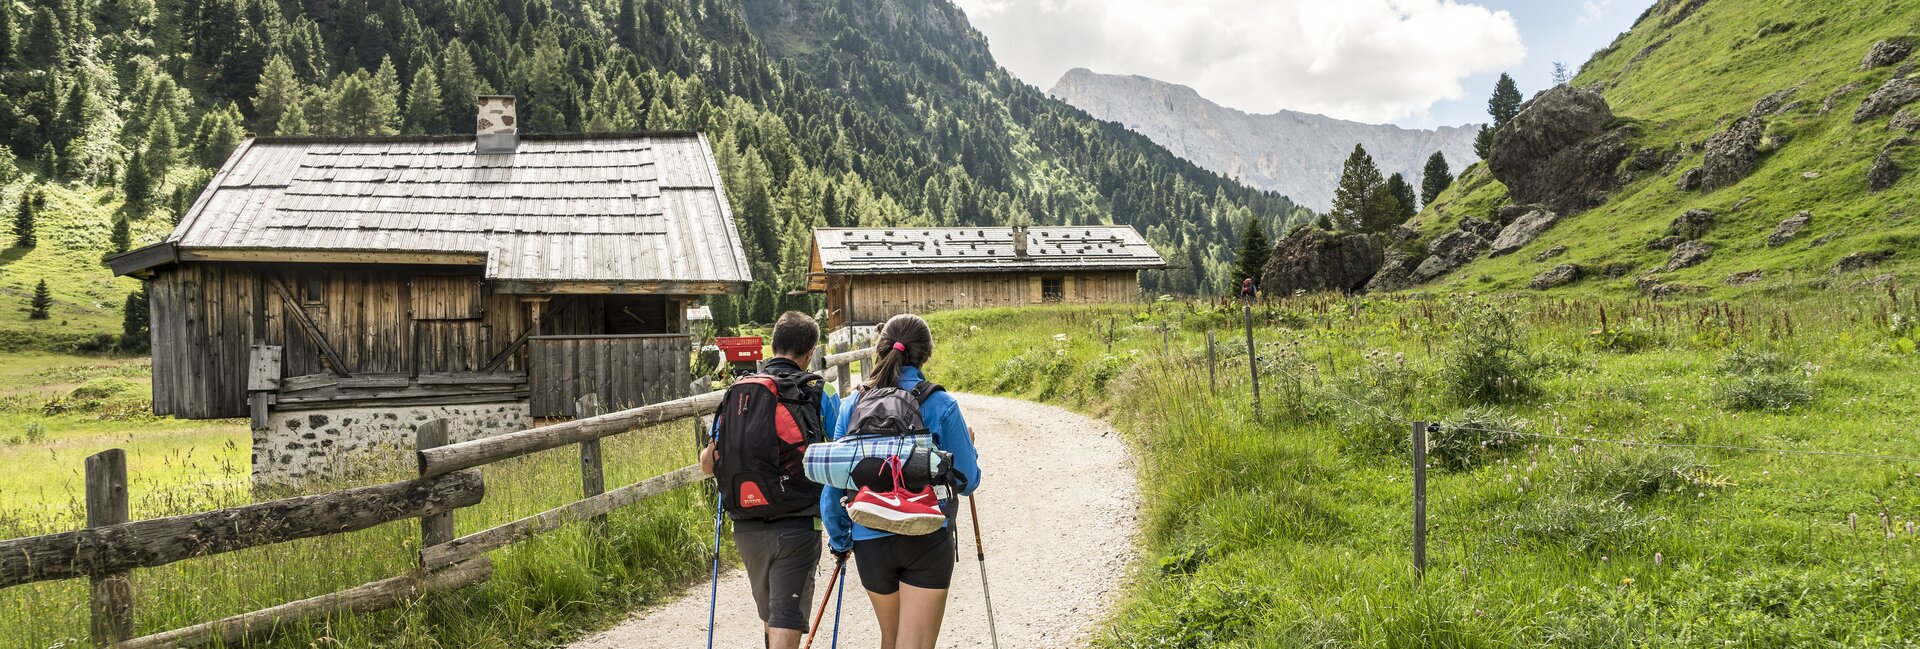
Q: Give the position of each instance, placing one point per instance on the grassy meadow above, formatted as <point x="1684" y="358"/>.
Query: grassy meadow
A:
<point x="543" y="592"/>
<point x="1294" y="528"/>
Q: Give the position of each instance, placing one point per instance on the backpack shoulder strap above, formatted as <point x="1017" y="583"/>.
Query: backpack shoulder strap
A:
<point x="924" y="390"/>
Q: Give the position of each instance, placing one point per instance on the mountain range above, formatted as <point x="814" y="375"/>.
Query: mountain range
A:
<point x="1293" y="153"/>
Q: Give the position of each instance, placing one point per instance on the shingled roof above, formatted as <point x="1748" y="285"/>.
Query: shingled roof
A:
<point x="644" y="208"/>
<point x="860" y="251"/>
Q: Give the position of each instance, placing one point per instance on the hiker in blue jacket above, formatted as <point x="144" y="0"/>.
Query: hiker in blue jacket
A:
<point x="906" y="577"/>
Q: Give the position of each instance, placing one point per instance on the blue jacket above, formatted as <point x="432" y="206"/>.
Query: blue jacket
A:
<point x="942" y="414"/>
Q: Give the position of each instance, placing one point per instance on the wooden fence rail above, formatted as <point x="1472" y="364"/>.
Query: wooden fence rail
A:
<point x="110" y="547"/>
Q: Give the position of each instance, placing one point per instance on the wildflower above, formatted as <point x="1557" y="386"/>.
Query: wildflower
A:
<point x="1059" y="338"/>
<point x="1657" y="558"/>
<point x="1853" y="522"/>
<point x="1626" y="581"/>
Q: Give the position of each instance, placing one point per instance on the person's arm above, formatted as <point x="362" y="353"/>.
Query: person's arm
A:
<point x="834" y="515"/>
<point x="712" y="452"/>
<point x="950" y="434"/>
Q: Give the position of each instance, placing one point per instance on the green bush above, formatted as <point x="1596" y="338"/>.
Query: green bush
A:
<point x="1487" y="362"/>
<point x="1762" y="381"/>
<point x="1471" y="437"/>
<point x="1631" y="476"/>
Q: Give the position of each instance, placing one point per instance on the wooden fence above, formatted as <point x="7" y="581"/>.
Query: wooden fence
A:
<point x="625" y="371"/>
<point x="111" y="547"/>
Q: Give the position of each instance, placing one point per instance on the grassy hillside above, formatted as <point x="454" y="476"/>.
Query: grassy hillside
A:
<point x="1293" y="529"/>
<point x="74" y="231"/>
<point x="1682" y="79"/>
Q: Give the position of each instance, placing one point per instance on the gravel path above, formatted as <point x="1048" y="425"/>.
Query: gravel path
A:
<point x="1060" y="526"/>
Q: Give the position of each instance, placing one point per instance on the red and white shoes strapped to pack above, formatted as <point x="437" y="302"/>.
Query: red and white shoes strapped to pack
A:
<point x="899" y="511"/>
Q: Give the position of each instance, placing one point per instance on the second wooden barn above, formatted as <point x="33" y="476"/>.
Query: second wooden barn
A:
<point x="870" y="274"/>
<point x="340" y="290"/>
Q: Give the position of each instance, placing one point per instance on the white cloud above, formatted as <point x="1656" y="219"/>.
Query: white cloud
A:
<point x="1370" y="60"/>
<point x="1591" y="11"/>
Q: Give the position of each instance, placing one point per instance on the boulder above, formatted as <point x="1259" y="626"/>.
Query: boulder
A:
<point x="1522" y="231"/>
<point x="1884" y="172"/>
<point x="1731" y="154"/>
<point x="1691" y="224"/>
<point x="1740" y="204"/>
<point x="1826" y="103"/>
<point x="1560" y="151"/>
<point x="1906" y="120"/>
<point x="1689" y="254"/>
<point x="1484" y="229"/>
<point x="1772" y="104"/>
<point x="1448" y="252"/>
<point x="1860" y="260"/>
<point x="1888" y="52"/>
<point x="1550" y="253"/>
<point x="1507" y="213"/>
<point x="1396" y="273"/>
<point x="1891" y="96"/>
<point x="1746" y="277"/>
<point x="1789" y="229"/>
<point x="1555" y="277"/>
<point x="1317" y="261"/>
<point x="1689" y="180"/>
<point x="1616" y="270"/>
<point x="1665" y="243"/>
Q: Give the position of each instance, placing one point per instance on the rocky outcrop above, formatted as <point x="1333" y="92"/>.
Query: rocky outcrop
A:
<point x="1888" y="52"/>
<point x="1789" y="229"/>
<point x="1665" y="243"/>
<point x="1885" y="172"/>
<point x="1860" y="260"/>
<point x="1691" y="224"/>
<point x="1556" y="277"/>
<point x="1689" y="254"/>
<point x="1480" y="227"/>
<point x="1746" y="277"/>
<point x="1396" y="273"/>
<point x="1561" y="151"/>
<point x="1906" y="120"/>
<point x="1296" y="154"/>
<point x="1826" y="103"/>
<point x="1732" y="153"/>
<point x="1522" y="231"/>
<point x="1317" y="261"/>
<point x="1689" y="180"/>
<point x="1889" y="97"/>
<point x="1448" y="252"/>
<point x="1550" y="253"/>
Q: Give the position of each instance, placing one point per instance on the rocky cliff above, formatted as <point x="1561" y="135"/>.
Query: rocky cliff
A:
<point x="1297" y="154"/>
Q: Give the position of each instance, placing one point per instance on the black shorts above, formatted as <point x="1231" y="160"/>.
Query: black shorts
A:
<point x="780" y="562"/>
<point x="917" y="561"/>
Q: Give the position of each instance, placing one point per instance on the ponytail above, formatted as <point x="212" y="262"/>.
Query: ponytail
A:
<point x="904" y="341"/>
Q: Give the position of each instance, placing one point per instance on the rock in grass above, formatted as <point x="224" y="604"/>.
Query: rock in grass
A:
<point x="1906" y="120"/>
<point x="1860" y="260"/>
<point x="1689" y="254"/>
<point x="1884" y="172"/>
<point x="1550" y="253"/>
<point x="1746" y="277"/>
<point x="1317" y="261"/>
<point x="1448" y="252"/>
<point x="1691" y="224"/>
<point x="1888" y="52"/>
<point x="1826" y="103"/>
<point x="1665" y="243"/>
<point x="1556" y="277"/>
<point x="1891" y="95"/>
<point x="1789" y="229"/>
<point x="1731" y="154"/>
<point x="1523" y="231"/>
<point x="1396" y="273"/>
<point x="1561" y="151"/>
<point x="1689" y="180"/>
<point x="1482" y="228"/>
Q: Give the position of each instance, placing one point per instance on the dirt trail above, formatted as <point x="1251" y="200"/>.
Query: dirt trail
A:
<point x="1058" y="504"/>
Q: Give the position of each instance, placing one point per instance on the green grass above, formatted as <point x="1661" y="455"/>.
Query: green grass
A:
<point x="73" y="233"/>
<point x="1711" y="69"/>
<point x="1293" y="529"/>
<point x="543" y="592"/>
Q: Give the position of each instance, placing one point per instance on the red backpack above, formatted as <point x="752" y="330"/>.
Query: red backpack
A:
<point x="764" y="425"/>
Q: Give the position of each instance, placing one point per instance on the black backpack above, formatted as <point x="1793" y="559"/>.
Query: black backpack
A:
<point x="893" y="412"/>
<point x="764" y="424"/>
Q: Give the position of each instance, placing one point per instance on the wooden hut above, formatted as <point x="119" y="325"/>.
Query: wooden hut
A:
<point x="339" y="290"/>
<point x="870" y="274"/>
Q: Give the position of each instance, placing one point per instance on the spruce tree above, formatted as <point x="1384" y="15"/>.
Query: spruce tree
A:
<point x="6" y="35"/>
<point x="277" y="93"/>
<point x="1383" y="211"/>
<point x="122" y="238"/>
<point x="23" y="235"/>
<point x="136" y="321"/>
<point x="423" y="103"/>
<point x="1254" y="250"/>
<point x="1435" y="178"/>
<point x="1505" y="102"/>
<point x="1359" y="181"/>
<point x="385" y="85"/>
<point x="1402" y="192"/>
<point x="219" y="134"/>
<point x="294" y="120"/>
<point x="45" y="45"/>
<point x="162" y="148"/>
<point x="42" y="302"/>
<point x="460" y="82"/>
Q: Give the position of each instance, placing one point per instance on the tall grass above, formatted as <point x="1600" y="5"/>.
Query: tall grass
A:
<point x="1293" y="529"/>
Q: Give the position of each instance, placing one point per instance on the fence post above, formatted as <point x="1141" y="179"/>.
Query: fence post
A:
<point x="593" y="479"/>
<point x="1109" y="334"/>
<point x="112" y="598"/>
<point x="435" y="529"/>
<point x="1420" y="498"/>
<point x="1213" y="384"/>
<point x="843" y="377"/>
<point x="1253" y="361"/>
<point x="1166" y="338"/>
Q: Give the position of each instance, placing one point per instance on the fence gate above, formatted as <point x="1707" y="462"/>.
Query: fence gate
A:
<point x="623" y="371"/>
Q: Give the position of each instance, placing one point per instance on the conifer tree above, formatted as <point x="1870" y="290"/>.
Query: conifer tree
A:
<point x="162" y="148"/>
<point x="219" y="134"/>
<point x="23" y="235"/>
<point x="1383" y="210"/>
<point x="1254" y="250"/>
<point x="6" y="35"/>
<point x="423" y="103"/>
<point x="42" y="302"/>
<point x="45" y="45"/>
<point x="137" y="183"/>
<point x="122" y="238"/>
<point x="136" y="320"/>
<point x="460" y="82"/>
<point x="1435" y="178"/>
<point x="1403" y="194"/>
<point x="1502" y="106"/>
<point x="1359" y="181"/>
<point x="278" y="93"/>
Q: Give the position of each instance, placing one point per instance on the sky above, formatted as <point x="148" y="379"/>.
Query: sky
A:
<point x="1416" y="63"/>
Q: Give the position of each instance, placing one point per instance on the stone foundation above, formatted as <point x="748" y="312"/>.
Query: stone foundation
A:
<point x="306" y="445"/>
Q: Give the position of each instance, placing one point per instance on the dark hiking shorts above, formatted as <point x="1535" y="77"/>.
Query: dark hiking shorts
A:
<point x="917" y="561"/>
<point x="780" y="564"/>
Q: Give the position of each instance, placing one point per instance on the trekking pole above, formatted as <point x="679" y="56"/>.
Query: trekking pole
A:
<point x="814" y="631"/>
<point x="714" y="603"/>
<point x="980" y="551"/>
<point x="839" y="602"/>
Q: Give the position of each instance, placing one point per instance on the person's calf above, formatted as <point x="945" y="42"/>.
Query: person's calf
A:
<point x="783" y="638"/>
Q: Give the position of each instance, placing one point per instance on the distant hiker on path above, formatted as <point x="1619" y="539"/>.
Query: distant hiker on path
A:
<point x="907" y="566"/>
<point x="756" y="457"/>
<point x="1246" y="288"/>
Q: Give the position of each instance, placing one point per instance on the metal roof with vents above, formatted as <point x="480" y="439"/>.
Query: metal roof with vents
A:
<point x="862" y="251"/>
<point x="632" y="212"/>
